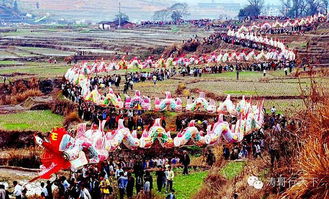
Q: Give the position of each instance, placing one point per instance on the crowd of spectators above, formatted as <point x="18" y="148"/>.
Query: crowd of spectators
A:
<point x="126" y="174"/>
<point x="270" y="138"/>
<point x="118" y="177"/>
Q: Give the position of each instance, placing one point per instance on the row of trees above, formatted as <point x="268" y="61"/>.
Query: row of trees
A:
<point x="301" y="8"/>
<point x="290" y="8"/>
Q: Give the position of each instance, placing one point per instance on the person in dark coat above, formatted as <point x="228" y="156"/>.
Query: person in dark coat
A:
<point x="139" y="183"/>
<point x="210" y="158"/>
<point x="50" y="192"/>
<point x="226" y="152"/>
<point x="94" y="187"/>
<point x="185" y="160"/>
<point x="130" y="185"/>
<point x="160" y="175"/>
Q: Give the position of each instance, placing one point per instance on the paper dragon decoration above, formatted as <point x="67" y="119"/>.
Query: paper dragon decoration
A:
<point x="190" y="133"/>
<point x="247" y="33"/>
<point x="109" y="99"/>
<point x="250" y="120"/>
<point x="168" y="103"/>
<point x="201" y="102"/>
<point x="122" y="135"/>
<point x="156" y="132"/>
<point x="138" y="102"/>
<point x="63" y="150"/>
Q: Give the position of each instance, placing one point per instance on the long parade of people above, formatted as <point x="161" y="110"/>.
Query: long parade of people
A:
<point x="128" y="173"/>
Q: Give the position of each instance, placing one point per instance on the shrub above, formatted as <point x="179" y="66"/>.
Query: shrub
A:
<point x="191" y="46"/>
<point x="312" y="161"/>
<point x="20" y="97"/>
<point x="180" y="88"/>
<point x="29" y="158"/>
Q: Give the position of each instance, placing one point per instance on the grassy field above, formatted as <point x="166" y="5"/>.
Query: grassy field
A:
<point x="245" y="75"/>
<point x="37" y="69"/>
<point x="9" y="62"/>
<point x="238" y="88"/>
<point x="186" y="186"/>
<point x="47" y="51"/>
<point x="232" y="169"/>
<point x="4" y="54"/>
<point x="286" y="107"/>
<point x="31" y="120"/>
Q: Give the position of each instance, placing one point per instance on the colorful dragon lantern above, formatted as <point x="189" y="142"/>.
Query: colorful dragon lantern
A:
<point x="112" y="98"/>
<point x="94" y="96"/>
<point x="201" y="102"/>
<point x="221" y="128"/>
<point x="189" y="133"/>
<point x="122" y="135"/>
<point x="227" y="107"/>
<point x="161" y="63"/>
<point x="123" y="64"/>
<point x="93" y="140"/>
<point x="135" y="63"/>
<point x="148" y="63"/>
<point x="168" y="103"/>
<point x="170" y="62"/>
<point x="138" y="102"/>
<point x="156" y="132"/>
<point x="62" y="151"/>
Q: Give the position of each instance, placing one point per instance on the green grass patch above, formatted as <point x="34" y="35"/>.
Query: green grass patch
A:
<point x="186" y="186"/>
<point x="232" y="169"/>
<point x="15" y="126"/>
<point x="8" y="62"/>
<point x="85" y="31"/>
<point x="42" y="121"/>
<point x="296" y="44"/>
<point x="39" y="69"/>
<point x="47" y="51"/>
<point x="170" y="114"/>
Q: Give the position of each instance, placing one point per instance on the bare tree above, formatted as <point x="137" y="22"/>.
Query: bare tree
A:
<point x="253" y="9"/>
<point x="176" y="11"/>
<point x="313" y="7"/>
<point x="286" y="6"/>
<point x="325" y="4"/>
<point x="257" y="3"/>
<point x="301" y="8"/>
<point x="161" y="15"/>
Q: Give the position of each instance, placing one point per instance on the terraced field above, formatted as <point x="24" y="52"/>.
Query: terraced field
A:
<point x="48" y="41"/>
